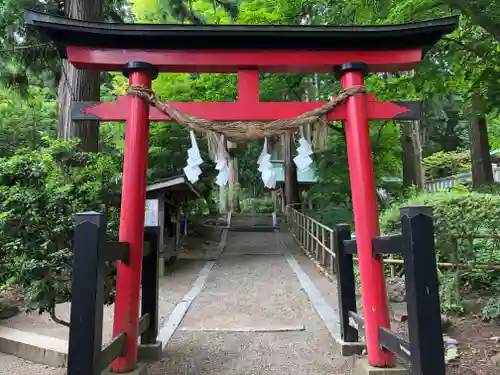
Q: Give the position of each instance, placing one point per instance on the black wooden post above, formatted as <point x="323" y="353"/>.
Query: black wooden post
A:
<point x="424" y="313"/>
<point x="346" y="284"/>
<point x="149" y="284"/>
<point x="87" y="294"/>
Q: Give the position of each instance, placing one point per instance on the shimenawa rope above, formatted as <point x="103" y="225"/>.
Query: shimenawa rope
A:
<point x="240" y="131"/>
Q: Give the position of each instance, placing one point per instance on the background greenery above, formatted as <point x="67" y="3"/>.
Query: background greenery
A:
<point x="44" y="181"/>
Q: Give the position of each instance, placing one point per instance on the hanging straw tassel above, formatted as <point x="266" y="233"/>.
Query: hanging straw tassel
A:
<point x="214" y="142"/>
<point x="320" y="134"/>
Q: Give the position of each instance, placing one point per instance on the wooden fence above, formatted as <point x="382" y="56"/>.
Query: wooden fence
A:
<point x="318" y="241"/>
<point x="465" y="178"/>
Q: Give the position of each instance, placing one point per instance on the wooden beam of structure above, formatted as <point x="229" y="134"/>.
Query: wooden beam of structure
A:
<point x="223" y="61"/>
<point x="243" y="111"/>
<point x="230" y="48"/>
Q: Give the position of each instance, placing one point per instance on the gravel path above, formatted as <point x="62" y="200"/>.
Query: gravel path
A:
<point x="10" y="365"/>
<point x="173" y="287"/>
<point x="246" y="293"/>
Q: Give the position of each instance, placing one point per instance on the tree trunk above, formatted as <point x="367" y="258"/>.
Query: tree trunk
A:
<point x="80" y="85"/>
<point x="412" y="154"/>
<point x="482" y="173"/>
<point x="234" y="186"/>
<point x="292" y="194"/>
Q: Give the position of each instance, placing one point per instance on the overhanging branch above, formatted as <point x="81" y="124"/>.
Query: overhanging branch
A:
<point x="477" y="16"/>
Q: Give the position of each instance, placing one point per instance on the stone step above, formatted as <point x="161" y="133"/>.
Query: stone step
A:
<point x="34" y="347"/>
<point x="253" y="228"/>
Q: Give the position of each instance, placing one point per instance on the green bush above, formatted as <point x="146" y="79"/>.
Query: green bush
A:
<point x="24" y="121"/>
<point x="257" y="205"/>
<point x="459" y="213"/>
<point x="40" y="191"/>
<point x="456" y="213"/>
<point x="332" y="215"/>
<point x="444" y="164"/>
<point x="491" y="311"/>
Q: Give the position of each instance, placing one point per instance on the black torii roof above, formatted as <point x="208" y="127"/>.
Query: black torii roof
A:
<point x="65" y="31"/>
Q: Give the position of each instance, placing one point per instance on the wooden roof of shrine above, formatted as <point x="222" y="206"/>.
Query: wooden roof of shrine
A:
<point x="177" y="185"/>
<point x="64" y="31"/>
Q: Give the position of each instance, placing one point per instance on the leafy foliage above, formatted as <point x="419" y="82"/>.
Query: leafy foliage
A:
<point x="458" y="216"/>
<point x="25" y="120"/>
<point x="333" y="206"/>
<point x="195" y="12"/>
<point x="40" y="175"/>
<point x="257" y="205"/>
<point x="491" y="311"/>
<point x="25" y="58"/>
<point x="444" y="164"/>
<point x="40" y="191"/>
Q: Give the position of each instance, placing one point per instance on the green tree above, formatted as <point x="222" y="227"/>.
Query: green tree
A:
<point x="25" y="119"/>
<point x="26" y="58"/>
<point x="40" y="191"/>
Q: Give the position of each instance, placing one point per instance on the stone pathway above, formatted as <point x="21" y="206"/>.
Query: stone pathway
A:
<point x="246" y="312"/>
<point x="252" y="317"/>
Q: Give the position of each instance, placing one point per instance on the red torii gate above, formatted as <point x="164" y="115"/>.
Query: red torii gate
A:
<point x="141" y="51"/>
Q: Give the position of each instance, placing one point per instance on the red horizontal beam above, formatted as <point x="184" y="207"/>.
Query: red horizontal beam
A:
<point x="223" y="61"/>
<point x="234" y="111"/>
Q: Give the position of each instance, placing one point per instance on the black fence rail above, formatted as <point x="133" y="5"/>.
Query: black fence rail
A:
<point x="86" y="354"/>
<point x="424" y="351"/>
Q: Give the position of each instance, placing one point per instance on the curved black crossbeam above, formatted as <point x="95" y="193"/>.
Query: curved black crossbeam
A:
<point x="65" y="31"/>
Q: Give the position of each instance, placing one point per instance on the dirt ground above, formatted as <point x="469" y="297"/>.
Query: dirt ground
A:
<point x="478" y="341"/>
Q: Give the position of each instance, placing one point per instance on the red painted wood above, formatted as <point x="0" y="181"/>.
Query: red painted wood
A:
<point x="248" y="86"/>
<point x="128" y="281"/>
<point x="365" y="209"/>
<point x="222" y="61"/>
<point x="240" y="111"/>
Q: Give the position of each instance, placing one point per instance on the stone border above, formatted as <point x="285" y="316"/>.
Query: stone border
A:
<point x="330" y="318"/>
<point x="175" y="319"/>
<point x="363" y="368"/>
<point x="51" y="351"/>
<point x="34" y="347"/>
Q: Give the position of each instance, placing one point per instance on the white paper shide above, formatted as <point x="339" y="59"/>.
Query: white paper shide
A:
<point x="221" y="165"/>
<point x="192" y="170"/>
<point x="266" y="168"/>
<point x="303" y="160"/>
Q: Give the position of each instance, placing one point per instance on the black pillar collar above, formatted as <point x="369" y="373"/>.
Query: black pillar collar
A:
<point x="134" y="66"/>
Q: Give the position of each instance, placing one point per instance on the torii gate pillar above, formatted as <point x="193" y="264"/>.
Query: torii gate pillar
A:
<point x="365" y="210"/>
<point x="135" y="166"/>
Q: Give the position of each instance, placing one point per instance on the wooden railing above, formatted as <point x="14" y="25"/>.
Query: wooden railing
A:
<point x="318" y="241"/>
<point x="422" y="350"/>
<point x="315" y="238"/>
<point x="334" y="251"/>
<point x="86" y="354"/>
<point x="464" y="178"/>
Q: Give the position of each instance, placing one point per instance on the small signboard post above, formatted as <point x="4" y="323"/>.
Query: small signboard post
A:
<point x="151" y="218"/>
